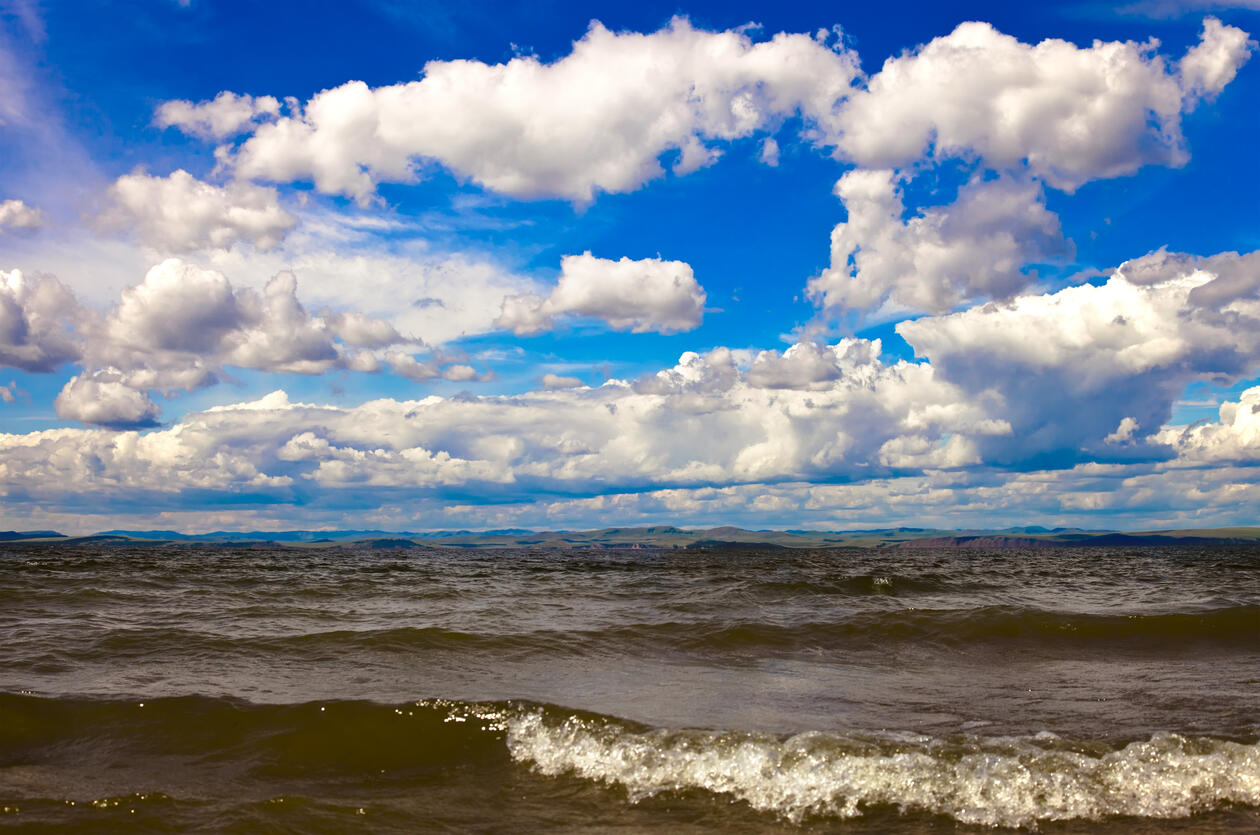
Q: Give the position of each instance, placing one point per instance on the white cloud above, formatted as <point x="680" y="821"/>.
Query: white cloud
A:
<point x="375" y="266"/>
<point x="37" y="315"/>
<point x="1065" y="369"/>
<point x="179" y="213"/>
<point x="177" y="330"/>
<point x="1124" y="432"/>
<point x="600" y="118"/>
<point x="976" y="247"/>
<point x="810" y="366"/>
<point x="597" y="119"/>
<point x="425" y="294"/>
<point x="1130" y="497"/>
<point x="105" y="400"/>
<point x="1070" y="115"/>
<point x="1234" y="439"/>
<point x="184" y="317"/>
<point x="226" y="115"/>
<point x="646" y="295"/>
<point x="555" y="381"/>
<point x="14" y="214"/>
<point x="1210" y="65"/>
<point x="408" y="477"/>
<point x="702" y="423"/>
<point x="770" y="151"/>
<point x="1080" y="373"/>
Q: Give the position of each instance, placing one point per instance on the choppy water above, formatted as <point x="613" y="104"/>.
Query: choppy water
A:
<point x="180" y="688"/>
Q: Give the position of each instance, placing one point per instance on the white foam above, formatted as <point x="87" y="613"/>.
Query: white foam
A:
<point x="989" y="781"/>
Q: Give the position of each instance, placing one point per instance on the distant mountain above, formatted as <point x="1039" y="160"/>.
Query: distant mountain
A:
<point x="13" y="536"/>
<point x="667" y="536"/>
<point x="307" y="536"/>
<point x="262" y="536"/>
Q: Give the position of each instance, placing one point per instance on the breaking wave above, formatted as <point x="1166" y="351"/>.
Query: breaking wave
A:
<point x="993" y="781"/>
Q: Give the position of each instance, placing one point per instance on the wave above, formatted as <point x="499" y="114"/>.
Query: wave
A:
<point x="1230" y="628"/>
<point x="995" y="782"/>
<point x="973" y="779"/>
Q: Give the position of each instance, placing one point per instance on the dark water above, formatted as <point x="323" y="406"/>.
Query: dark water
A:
<point x="176" y="688"/>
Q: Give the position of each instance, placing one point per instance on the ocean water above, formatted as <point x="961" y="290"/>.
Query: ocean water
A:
<point x="244" y="689"/>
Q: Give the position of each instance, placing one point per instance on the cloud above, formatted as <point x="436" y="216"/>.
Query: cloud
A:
<point x="177" y="330"/>
<point x="186" y="317"/>
<point x="390" y="462"/>
<point x="14" y="214"/>
<point x="602" y="117"/>
<point x="37" y="317"/>
<point x="639" y="296"/>
<point x="1233" y="439"/>
<point x="703" y="424"/>
<point x="226" y="115"/>
<point x="770" y="151"/>
<point x="598" y="119"/>
<point x="1177" y="8"/>
<point x="1067" y="114"/>
<point x="809" y="366"/>
<point x="942" y="256"/>
<point x="1080" y="380"/>
<point x="1212" y="64"/>
<point x="105" y="400"/>
<point x="179" y="213"/>
<point x="423" y="293"/>
<point x="1067" y="369"/>
<point x="555" y="381"/>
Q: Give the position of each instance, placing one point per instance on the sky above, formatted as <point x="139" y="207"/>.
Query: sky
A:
<point x="468" y="265"/>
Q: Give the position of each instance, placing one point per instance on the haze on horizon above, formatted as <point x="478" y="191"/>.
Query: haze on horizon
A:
<point x="363" y="266"/>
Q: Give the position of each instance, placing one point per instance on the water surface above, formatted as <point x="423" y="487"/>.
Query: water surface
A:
<point x="215" y="688"/>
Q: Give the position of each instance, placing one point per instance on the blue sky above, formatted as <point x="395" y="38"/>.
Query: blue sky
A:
<point x="474" y="265"/>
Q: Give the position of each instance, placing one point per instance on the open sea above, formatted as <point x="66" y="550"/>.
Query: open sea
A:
<point x="192" y="688"/>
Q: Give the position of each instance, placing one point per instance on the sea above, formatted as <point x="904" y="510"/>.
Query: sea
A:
<point x="258" y="688"/>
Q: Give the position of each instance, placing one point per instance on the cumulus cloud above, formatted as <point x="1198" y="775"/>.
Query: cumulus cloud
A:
<point x="1128" y="497"/>
<point x="1233" y="439"/>
<point x="598" y="119"/>
<point x="187" y="320"/>
<point x="14" y="214"/>
<point x="639" y="296"/>
<point x="1210" y="65"/>
<point x="177" y="330"/>
<point x="226" y="115"/>
<point x="602" y="117"/>
<point x="420" y="292"/>
<point x="1067" y="369"/>
<point x="556" y="381"/>
<point x="179" y="213"/>
<point x="703" y="423"/>
<point x="104" y="399"/>
<point x="37" y="317"/>
<point x="1064" y="380"/>
<point x="705" y="444"/>
<point x="976" y="247"/>
<point x="1067" y="114"/>
<point x="811" y="366"/>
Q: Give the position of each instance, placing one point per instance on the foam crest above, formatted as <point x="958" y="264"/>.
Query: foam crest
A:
<point x="988" y="781"/>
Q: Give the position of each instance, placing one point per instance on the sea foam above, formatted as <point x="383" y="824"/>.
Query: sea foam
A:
<point x="994" y="781"/>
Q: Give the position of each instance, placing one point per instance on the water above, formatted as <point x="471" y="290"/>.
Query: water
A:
<point x="185" y="688"/>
